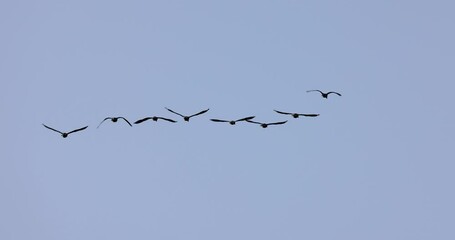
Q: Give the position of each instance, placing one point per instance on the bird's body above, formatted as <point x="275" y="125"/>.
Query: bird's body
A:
<point x="115" y="119"/>
<point x="65" y="134"/>
<point x="297" y="115"/>
<point x="323" y="94"/>
<point x="187" y="118"/>
<point x="233" y="122"/>
<point x="265" y="125"/>
<point x="154" y="118"/>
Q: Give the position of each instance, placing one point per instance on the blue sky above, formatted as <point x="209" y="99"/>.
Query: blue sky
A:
<point x="376" y="164"/>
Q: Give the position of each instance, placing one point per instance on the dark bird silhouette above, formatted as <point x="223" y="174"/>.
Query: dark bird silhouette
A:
<point x="324" y="95"/>
<point x="297" y="115"/>
<point x="65" y="134"/>
<point x="265" y="125"/>
<point x="187" y="118"/>
<point x="115" y="119"/>
<point x="232" y="122"/>
<point x="154" y="118"/>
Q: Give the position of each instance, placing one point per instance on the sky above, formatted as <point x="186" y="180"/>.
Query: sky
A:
<point x="377" y="163"/>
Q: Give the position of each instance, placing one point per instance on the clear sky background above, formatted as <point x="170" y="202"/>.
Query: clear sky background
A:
<point x="378" y="163"/>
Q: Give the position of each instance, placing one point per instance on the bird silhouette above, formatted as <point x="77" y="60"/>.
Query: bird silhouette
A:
<point x="232" y="122"/>
<point x="65" y="134"/>
<point x="297" y="115"/>
<point x="187" y="118"/>
<point x="265" y="125"/>
<point x="115" y="119"/>
<point x="324" y="95"/>
<point x="154" y="118"/>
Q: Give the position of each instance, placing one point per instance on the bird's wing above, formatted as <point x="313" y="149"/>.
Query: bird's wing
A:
<point x="142" y="120"/>
<point x="282" y="112"/>
<point x="315" y="91"/>
<point x="309" y="115"/>
<point x="103" y="121"/>
<point x="77" y="130"/>
<point x="253" y="122"/>
<point x="277" y="123"/>
<point x="335" y="93"/>
<point x="245" y="119"/>
<point x="218" y="120"/>
<point x="175" y="112"/>
<point x="126" y="121"/>
<point x="199" y="113"/>
<point x="167" y="119"/>
<point x="52" y="129"/>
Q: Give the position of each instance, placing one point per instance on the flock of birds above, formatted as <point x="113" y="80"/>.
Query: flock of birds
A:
<point x="186" y="118"/>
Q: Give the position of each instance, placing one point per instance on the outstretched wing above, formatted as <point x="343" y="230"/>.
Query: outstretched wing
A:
<point x="103" y="121"/>
<point x="277" y="123"/>
<point x="309" y="115"/>
<point x="52" y="129"/>
<point x="126" y="121"/>
<point x="334" y="93"/>
<point x="218" y="120"/>
<point x="245" y="119"/>
<point x="77" y="130"/>
<point x="166" y="119"/>
<point x="315" y="91"/>
<point x="142" y="120"/>
<point x="175" y="112"/>
<point x="253" y="122"/>
<point x="280" y="112"/>
<point x="199" y="113"/>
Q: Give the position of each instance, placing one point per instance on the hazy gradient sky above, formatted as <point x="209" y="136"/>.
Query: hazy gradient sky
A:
<point x="378" y="163"/>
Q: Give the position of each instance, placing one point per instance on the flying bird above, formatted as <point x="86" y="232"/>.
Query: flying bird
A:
<point x="187" y="118"/>
<point x="154" y="118"/>
<point x="324" y="95"/>
<point x="265" y="125"/>
<point x="232" y="122"/>
<point x="115" y="119"/>
<point x="65" y="134"/>
<point x="297" y="115"/>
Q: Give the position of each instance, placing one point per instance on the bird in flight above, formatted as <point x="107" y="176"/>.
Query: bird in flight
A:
<point x="187" y="118"/>
<point x="297" y="115"/>
<point x="154" y="118"/>
<point x="65" y="134"/>
<point x="324" y="95"/>
<point x="232" y="122"/>
<point x="265" y="125"/>
<point x="115" y="119"/>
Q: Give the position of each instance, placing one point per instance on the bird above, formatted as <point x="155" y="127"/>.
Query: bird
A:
<point x="65" y="134"/>
<point x="297" y="115"/>
<point x="187" y="118"/>
<point x="324" y="95"/>
<point x="265" y="125"/>
<point x="154" y="118"/>
<point x="232" y="122"/>
<point x="115" y="119"/>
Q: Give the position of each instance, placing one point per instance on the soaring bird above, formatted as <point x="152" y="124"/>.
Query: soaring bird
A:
<point x="297" y="115"/>
<point x="65" y="134"/>
<point x="232" y="122"/>
<point x="265" y="125"/>
<point x="324" y="95"/>
<point x="115" y="119"/>
<point x="154" y="118"/>
<point x="187" y="118"/>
